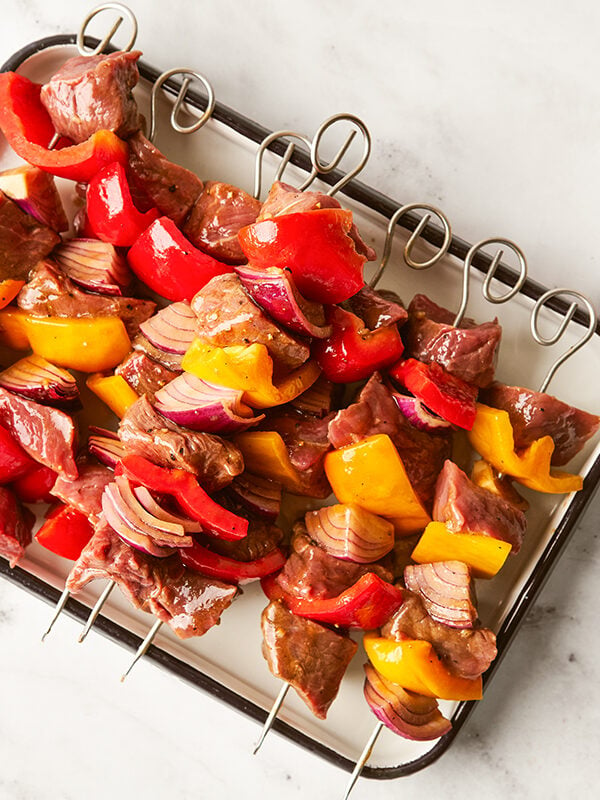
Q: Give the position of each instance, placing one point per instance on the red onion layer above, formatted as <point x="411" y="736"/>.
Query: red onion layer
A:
<point x="172" y="329"/>
<point x="350" y="533"/>
<point x="94" y="265"/>
<point x="37" y="379"/>
<point x="106" y="446"/>
<point x="419" y="415"/>
<point x="445" y="588"/>
<point x="260" y="495"/>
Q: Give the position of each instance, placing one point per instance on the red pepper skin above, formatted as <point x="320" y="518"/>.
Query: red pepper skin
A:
<point x="315" y="246"/>
<point x="14" y="461"/>
<point x="214" y="565"/>
<point x="28" y="129"/>
<point x="446" y="395"/>
<point x="35" y="485"/>
<point x="169" y="264"/>
<point x="65" y="532"/>
<point x="111" y="213"/>
<point x="185" y="489"/>
<point x="353" y="352"/>
<point x="368" y="604"/>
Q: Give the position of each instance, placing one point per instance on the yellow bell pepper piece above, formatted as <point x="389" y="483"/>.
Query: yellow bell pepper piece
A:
<point x="492" y="437"/>
<point x="372" y="475"/>
<point x="87" y="344"/>
<point x="13" y="332"/>
<point x="265" y="454"/>
<point x="249" y="368"/>
<point x="414" y="665"/>
<point x="484" y="555"/>
<point x="112" y="390"/>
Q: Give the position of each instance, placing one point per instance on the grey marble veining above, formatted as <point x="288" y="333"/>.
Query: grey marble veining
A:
<point x="493" y="111"/>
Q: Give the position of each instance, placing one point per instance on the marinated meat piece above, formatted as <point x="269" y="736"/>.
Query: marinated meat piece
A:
<point x="375" y="411"/>
<point x="462" y="506"/>
<point x="171" y="361"/>
<point x="15" y="532"/>
<point x="50" y="293"/>
<point x="35" y="192"/>
<point x="156" y="181"/>
<point x="378" y="309"/>
<point x="536" y="414"/>
<point x="46" y="434"/>
<point x="263" y="535"/>
<point x="93" y="93"/>
<point x="23" y="241"/>
<point x="400" y="557"/>
<point x="143" y="374"/>
<point x="312" y="574"/>
<point x="217" y="216"/>
<point x="185" y="600"/>
<point x="470" y="352"/>
<point x="226" y="316"/>
<point x="285" y="199"/>
<point x="85" y="492"/>
<point x="308" y="656"/>
<point x="466" y="652"/>
<point x="144" y="432"/>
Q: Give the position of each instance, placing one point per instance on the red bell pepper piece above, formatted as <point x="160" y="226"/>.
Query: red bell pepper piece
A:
<point x="170" y="264"/>
<point x="35" y="485"/>
<point x="9" y="289"/>
<point x="353" y="352"/>
<point x="14" y="461"/>
<point x="315" y="246"/>
<point x="446" y="395"/>
<point x="228" y="569"/>
<point x="368" y="604"/>
<point x="65" y="532"/>
<point x="185" y="489"/>
<point x="28" y="129"/>
<point x="111" y="213"/>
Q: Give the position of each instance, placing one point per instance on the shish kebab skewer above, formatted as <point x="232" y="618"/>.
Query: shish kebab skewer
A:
<point x="559" y="361"/>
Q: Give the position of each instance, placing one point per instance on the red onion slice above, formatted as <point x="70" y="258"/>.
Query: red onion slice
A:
<point x="261" y="495"/>
<point x="202" y="406"/>
<point x="94" y="265"/>
<point x="273" y="289"/>
<point x="419" y="415"/>
<point x="406" y="713"/>
<point x="150" y="504"/>
<point x="319" y="399"/>
<point x="130" y="536"/>
<point x="350" y="533"/>
<point x="106" y="446"/>
<point x="172" y="329"/>
<point x="37" y="379"/>
<point x="445" y="588"/>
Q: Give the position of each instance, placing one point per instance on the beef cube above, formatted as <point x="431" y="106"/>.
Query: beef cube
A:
<point x="93" y="93"/>
<point x="85" y="492"/>
<point x="308" y="656"/>
<point x="23" y="240"/>
<point x="378" y="309"/>
<point x="143" y="374"/>
<point x="15" y="530"/>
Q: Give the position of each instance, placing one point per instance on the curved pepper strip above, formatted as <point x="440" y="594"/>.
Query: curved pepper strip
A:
<point x="65" y="532"/>
<point x="228" y="569"/>
<point x="492" y="437"/>
<point x="250" y="369"/>
<point x="28" y="129"/>
<point x="371" y="474"/>
<point x="112" y="390"/>
<point x="352" y="351"/>
<point x="314" y="246"/>
<point x="111" y="213"/>
<point x="484" y="555"/>
<point x="265" y="454"/>
<point x="367" y="604"/>
<point x="185" y="489"/>
<point x="446" y="395"/>
<point x="169" y="263"/>
<point x="414" y="665"/>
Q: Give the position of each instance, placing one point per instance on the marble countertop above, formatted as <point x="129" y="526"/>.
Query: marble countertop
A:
<point x="491" y="111"/>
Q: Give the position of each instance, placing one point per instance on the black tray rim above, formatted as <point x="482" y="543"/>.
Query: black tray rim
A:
<point x="432" y="233"/>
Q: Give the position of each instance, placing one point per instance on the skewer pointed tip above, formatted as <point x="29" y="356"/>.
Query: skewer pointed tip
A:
<point x="62" y="602"/>
<point x="364" y="757"/>
<point x="96" y="611"/>
<point x="271" y="718"/>
<point x="142" y="649"/>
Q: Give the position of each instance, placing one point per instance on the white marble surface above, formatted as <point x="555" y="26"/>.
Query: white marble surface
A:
<point x="492" y="111"/>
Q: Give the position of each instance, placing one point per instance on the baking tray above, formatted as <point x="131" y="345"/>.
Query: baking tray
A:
<point x="225" y="149"/>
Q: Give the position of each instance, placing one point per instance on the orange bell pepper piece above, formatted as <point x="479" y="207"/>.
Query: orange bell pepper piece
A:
<point x="87" y="344"/>
<point x="492" y="437"/>
<point x="414" y="665"/>
<point x="249" y="368"/>
<point x="13" y="332"/>
<point x="372" y="475"/>
<point x="484" y="555"/>
<point x="9" y="289"/>
<point x="112" y="390"/>
<point x="265" y="454"/>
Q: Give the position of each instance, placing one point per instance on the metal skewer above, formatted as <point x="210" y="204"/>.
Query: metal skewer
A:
<point x="271" y="717"/>
<point x="143" y="648"/>
<point x="540" y="339"/>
